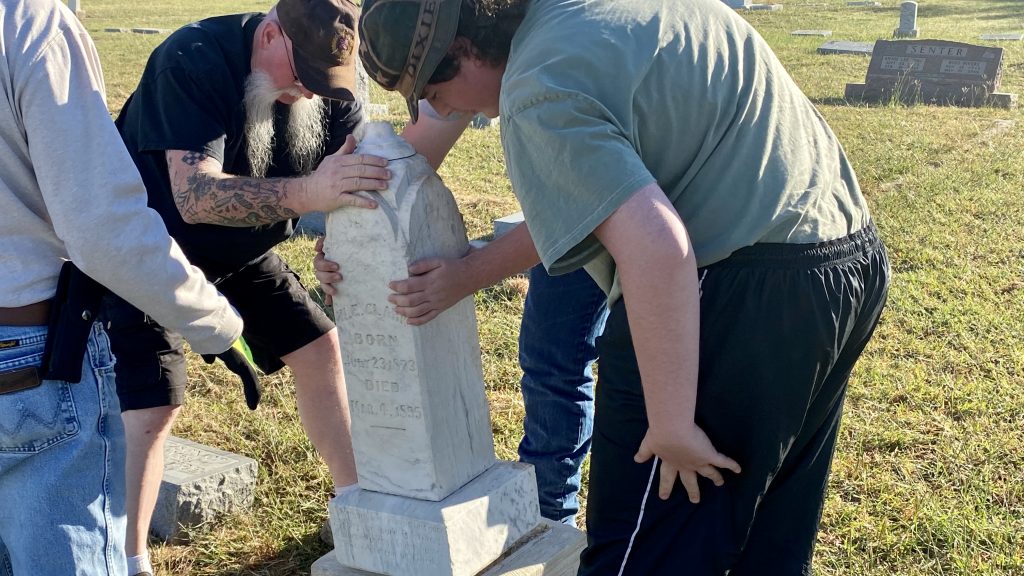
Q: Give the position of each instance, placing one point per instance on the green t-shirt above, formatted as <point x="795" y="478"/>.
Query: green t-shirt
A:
<point x="603" y="97"/>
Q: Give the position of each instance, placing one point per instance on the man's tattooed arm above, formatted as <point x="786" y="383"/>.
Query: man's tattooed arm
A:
<point x="205" y="195"/>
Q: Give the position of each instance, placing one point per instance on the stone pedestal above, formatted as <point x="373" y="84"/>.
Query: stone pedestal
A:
<point x="552" y="549"/>
<point x="434" y="501"/>
<point x="458" y="536"/>
<point x="199" y="484"/>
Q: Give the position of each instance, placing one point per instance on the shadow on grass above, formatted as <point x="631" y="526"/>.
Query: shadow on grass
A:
<point x="993" y="10"/>
<point x="293" y="559"/>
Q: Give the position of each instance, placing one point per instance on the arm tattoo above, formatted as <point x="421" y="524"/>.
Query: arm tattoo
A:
<point x="193" y="158"/>
<point x="231" y="201"/>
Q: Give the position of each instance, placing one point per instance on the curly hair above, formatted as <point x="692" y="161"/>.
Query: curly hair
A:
<point x="489" y="25"/>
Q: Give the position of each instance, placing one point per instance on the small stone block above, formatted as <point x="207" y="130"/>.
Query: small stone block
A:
<point x="1003" y="37"/>
<point x="552" y="550"/>
<point x="505" y="224"/>
<point x="200" y="483"/>
<point x="458" y="536"/>
<point x="1002" y="100"/>
<point x="115" y="30"/>
<point x="765" y="7"/>
<point x="823" y="33"/>
<point x="147" y="30"/>
<point x="864" y="4"/>
<point x="846" y="47"/>
<point x="901" y="33"/>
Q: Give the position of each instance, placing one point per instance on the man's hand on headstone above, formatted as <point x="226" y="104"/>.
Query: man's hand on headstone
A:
<point x="328" y="273"/>
<point x="333" y="182"/>
<point x="433" y="286"/>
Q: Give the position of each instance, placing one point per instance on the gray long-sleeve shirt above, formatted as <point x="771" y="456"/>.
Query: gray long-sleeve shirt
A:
<point x="69" y="189"/>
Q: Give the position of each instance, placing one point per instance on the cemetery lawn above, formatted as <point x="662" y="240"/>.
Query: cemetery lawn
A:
<point x="929" y="474"/>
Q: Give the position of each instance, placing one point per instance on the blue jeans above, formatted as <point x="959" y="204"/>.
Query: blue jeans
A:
<point x="61" y="465"/>
<point x="561" y="319"/>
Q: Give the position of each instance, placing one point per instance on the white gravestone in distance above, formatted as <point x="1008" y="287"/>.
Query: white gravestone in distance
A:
<point x="908" y="21"/>
<point x="433" y="501"/>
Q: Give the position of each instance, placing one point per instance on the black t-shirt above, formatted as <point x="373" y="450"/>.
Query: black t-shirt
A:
<point x="191" y="97"/>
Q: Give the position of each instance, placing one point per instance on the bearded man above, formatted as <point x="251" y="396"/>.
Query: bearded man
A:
<point x="239" y="125"/>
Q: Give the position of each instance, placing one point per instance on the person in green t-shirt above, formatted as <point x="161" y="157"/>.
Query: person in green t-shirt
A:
<point x="663" y="147"/>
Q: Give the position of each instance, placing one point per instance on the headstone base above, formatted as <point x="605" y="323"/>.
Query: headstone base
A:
<point x="200" y="483"/>
<point x="554" y="550"/>
<point x="900" y="33"/>
<point x="918" y="94"/>
<point x="764" y="7"/>
<point x="458" y="536"/>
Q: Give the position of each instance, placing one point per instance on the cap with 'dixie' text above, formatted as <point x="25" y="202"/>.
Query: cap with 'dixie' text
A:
<point x="403" y="41"/>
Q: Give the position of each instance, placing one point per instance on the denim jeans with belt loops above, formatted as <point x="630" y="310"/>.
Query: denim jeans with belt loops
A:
<point x="62" y="447"/>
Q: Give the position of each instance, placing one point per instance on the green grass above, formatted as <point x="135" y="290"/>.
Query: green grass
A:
<point x="929" y="476"/>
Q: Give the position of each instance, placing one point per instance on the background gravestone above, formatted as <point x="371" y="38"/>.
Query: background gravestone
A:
<point x="933" y="72"/>
<point x="908" y="21"/>
<point x="433" y="501"/>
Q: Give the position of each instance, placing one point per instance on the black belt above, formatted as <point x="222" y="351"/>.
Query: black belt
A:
<point x="19" y="379"/>
<point x="31" y="315"/>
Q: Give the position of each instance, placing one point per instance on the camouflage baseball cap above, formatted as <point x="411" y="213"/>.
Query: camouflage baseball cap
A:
<point x="403" y="41"/>
<point x="323" y="35"/>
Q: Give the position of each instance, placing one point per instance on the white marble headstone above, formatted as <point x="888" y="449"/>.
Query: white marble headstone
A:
<point x="420" y="422"/>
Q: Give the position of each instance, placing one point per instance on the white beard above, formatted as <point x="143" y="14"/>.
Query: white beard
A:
<point x="306" y="131"/>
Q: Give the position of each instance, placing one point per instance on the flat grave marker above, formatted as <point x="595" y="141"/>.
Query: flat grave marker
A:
<point x="846" y="47"/>
<point x="199" y="484"/>
<point x="822" y="33"/>
<point x="1000" y="37"/>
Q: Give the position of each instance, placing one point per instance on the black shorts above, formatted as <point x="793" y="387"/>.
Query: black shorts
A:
<point x="279" y="315"/>
<point x="781" y="327"/>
